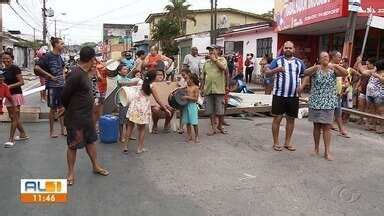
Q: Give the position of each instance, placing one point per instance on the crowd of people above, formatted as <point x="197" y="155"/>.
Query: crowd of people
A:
<point x="76" y="99"/>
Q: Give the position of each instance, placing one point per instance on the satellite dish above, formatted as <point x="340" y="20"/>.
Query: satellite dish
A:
<point x="223" y="22"/>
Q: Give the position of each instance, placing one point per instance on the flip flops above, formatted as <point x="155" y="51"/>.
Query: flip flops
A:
<point x="18" y="138"/>
<point x="277" y="148"/>
<point x="102" y="172"/>
<point x="9" y="144"/>
<point x="345" y="135"/>
<point x="290" y="148"/>
<point x="141" y="151"/>
<point x="70" y="182"/>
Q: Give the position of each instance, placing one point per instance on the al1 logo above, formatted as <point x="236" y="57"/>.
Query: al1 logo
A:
<point x="43" y="190"/>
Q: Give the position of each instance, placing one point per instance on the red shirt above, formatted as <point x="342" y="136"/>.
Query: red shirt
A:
<point x="102" y="85"/>
<point x="4" y="93"/>
<point x="152" y="61"/>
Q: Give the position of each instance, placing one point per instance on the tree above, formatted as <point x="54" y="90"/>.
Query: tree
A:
<point x="164" y="32"/>
<point x="269" y="15"/>
<point x="90" y="44"/>
<point x="179" y="11"/>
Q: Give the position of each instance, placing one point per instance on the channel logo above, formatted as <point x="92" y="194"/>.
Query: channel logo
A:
<point x="43" y="190"/>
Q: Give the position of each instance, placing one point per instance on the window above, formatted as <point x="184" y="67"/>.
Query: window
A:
<point x="229" y="47"/>
<point x="233" y="47"/>
<point x="263" y="46"/>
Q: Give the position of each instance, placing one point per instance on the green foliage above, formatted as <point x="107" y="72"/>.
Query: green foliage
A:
<point x="165" y="29"/>
<point x="179" y="11"/>
<point x="164" y="32"/>
<point x="90" y="44"/>
<point x="172" y="26"/>
<point x="30" y="44"/>
<point x="269" y="14"/>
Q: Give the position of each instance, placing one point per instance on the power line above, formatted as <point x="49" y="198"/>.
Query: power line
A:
<point x="13" y="9"/>
<point x="110" y="11"/>
<point x="29" y="14"/>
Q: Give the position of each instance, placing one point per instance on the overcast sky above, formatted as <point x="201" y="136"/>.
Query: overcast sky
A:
<point x="84" y="18"/>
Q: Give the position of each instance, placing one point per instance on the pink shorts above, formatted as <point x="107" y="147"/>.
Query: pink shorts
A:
<point x="18" y="99"/>
<point x="42" y="81"/>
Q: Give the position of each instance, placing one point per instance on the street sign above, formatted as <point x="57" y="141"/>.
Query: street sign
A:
<point x="354" y="5"/>
<point x="377" y="22"/>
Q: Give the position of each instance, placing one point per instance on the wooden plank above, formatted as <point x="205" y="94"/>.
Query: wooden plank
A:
<point x="242" y="110"/>
<point x="363" y="114"/>
<point x="354" y="112"/>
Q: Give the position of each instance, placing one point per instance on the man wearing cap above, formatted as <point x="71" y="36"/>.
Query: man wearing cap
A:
<point x="213" y="85"/>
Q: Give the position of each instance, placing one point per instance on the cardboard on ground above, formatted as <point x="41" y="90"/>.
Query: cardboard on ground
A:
<point x="164" y="89"/>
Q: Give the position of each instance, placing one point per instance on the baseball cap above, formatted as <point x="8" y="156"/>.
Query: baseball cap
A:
<point x="213" y="46"/>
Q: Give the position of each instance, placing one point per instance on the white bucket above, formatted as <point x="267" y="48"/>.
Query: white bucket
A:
<point x="127" y="94"/>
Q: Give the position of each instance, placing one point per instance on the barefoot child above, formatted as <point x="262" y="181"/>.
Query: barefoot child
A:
<point x="123" y="80"/>
<point x="191" y="110"/>
<point x="182" y="83"/>
<point x="139" y="110"/>
<point x="5" y="93"/>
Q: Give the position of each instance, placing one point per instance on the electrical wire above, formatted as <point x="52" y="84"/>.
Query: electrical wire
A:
<point x="13" y="9"/>
<point x="29" y="14"/>
<point x="102" y="14"/>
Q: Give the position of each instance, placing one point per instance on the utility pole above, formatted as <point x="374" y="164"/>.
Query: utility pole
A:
<point x="55" y="29"/>
<point x="215" y="24"/>
<point x="213" y="21"/>
<point x="212" y="28"/>
<point x="1" y="27"/>
<point x="351" y="27"/>
<point x="44" y="9"/>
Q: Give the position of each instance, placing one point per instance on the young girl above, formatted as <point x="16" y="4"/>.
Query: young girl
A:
<point x="122" y="80"/>
<point x="14" y="80"/>
<point x="191" y="110"/>
<point x="139" y="110"/>
<point x="182" y="83"/>
<point x="5" y="93"/>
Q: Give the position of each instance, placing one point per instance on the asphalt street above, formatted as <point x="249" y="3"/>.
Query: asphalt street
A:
<point x="235" y="174"/>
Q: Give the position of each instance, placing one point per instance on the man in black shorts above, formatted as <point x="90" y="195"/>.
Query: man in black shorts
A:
<point x="78" y="101"/>
<point x="287" y="71"/>
<point x="51" y="66"/>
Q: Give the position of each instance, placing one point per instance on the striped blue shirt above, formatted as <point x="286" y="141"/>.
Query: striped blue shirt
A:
<point x="286" y="83"/>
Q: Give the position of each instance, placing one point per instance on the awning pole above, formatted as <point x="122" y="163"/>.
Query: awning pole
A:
<point x="366" y="34"/>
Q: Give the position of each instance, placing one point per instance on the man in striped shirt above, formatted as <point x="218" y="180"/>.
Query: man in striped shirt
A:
<point x="287" y="71"/>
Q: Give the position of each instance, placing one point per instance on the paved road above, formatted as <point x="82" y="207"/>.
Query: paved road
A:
<point x="236" y="174"/>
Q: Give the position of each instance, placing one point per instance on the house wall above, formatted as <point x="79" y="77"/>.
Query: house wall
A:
<point x="203" y="21"/>
<point x="250" y="44"/>
<point x="142" y="32"/>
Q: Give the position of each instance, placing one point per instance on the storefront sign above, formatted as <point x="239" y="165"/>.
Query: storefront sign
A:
<point x="293" y="13"/>
<point x="377" y="22"/>
<point x="376" y="7"/>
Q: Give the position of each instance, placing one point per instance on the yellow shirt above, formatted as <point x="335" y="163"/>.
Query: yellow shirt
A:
<point x="214" y="77"/>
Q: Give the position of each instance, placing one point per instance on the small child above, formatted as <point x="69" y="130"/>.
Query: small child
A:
<point x="123" y="80"/>
<point x="191" y="110"/>
<point x="182" y="83"/>
<point x="5" y="93"/>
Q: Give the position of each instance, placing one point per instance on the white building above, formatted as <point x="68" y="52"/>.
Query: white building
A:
<point x="258" y="39"/>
